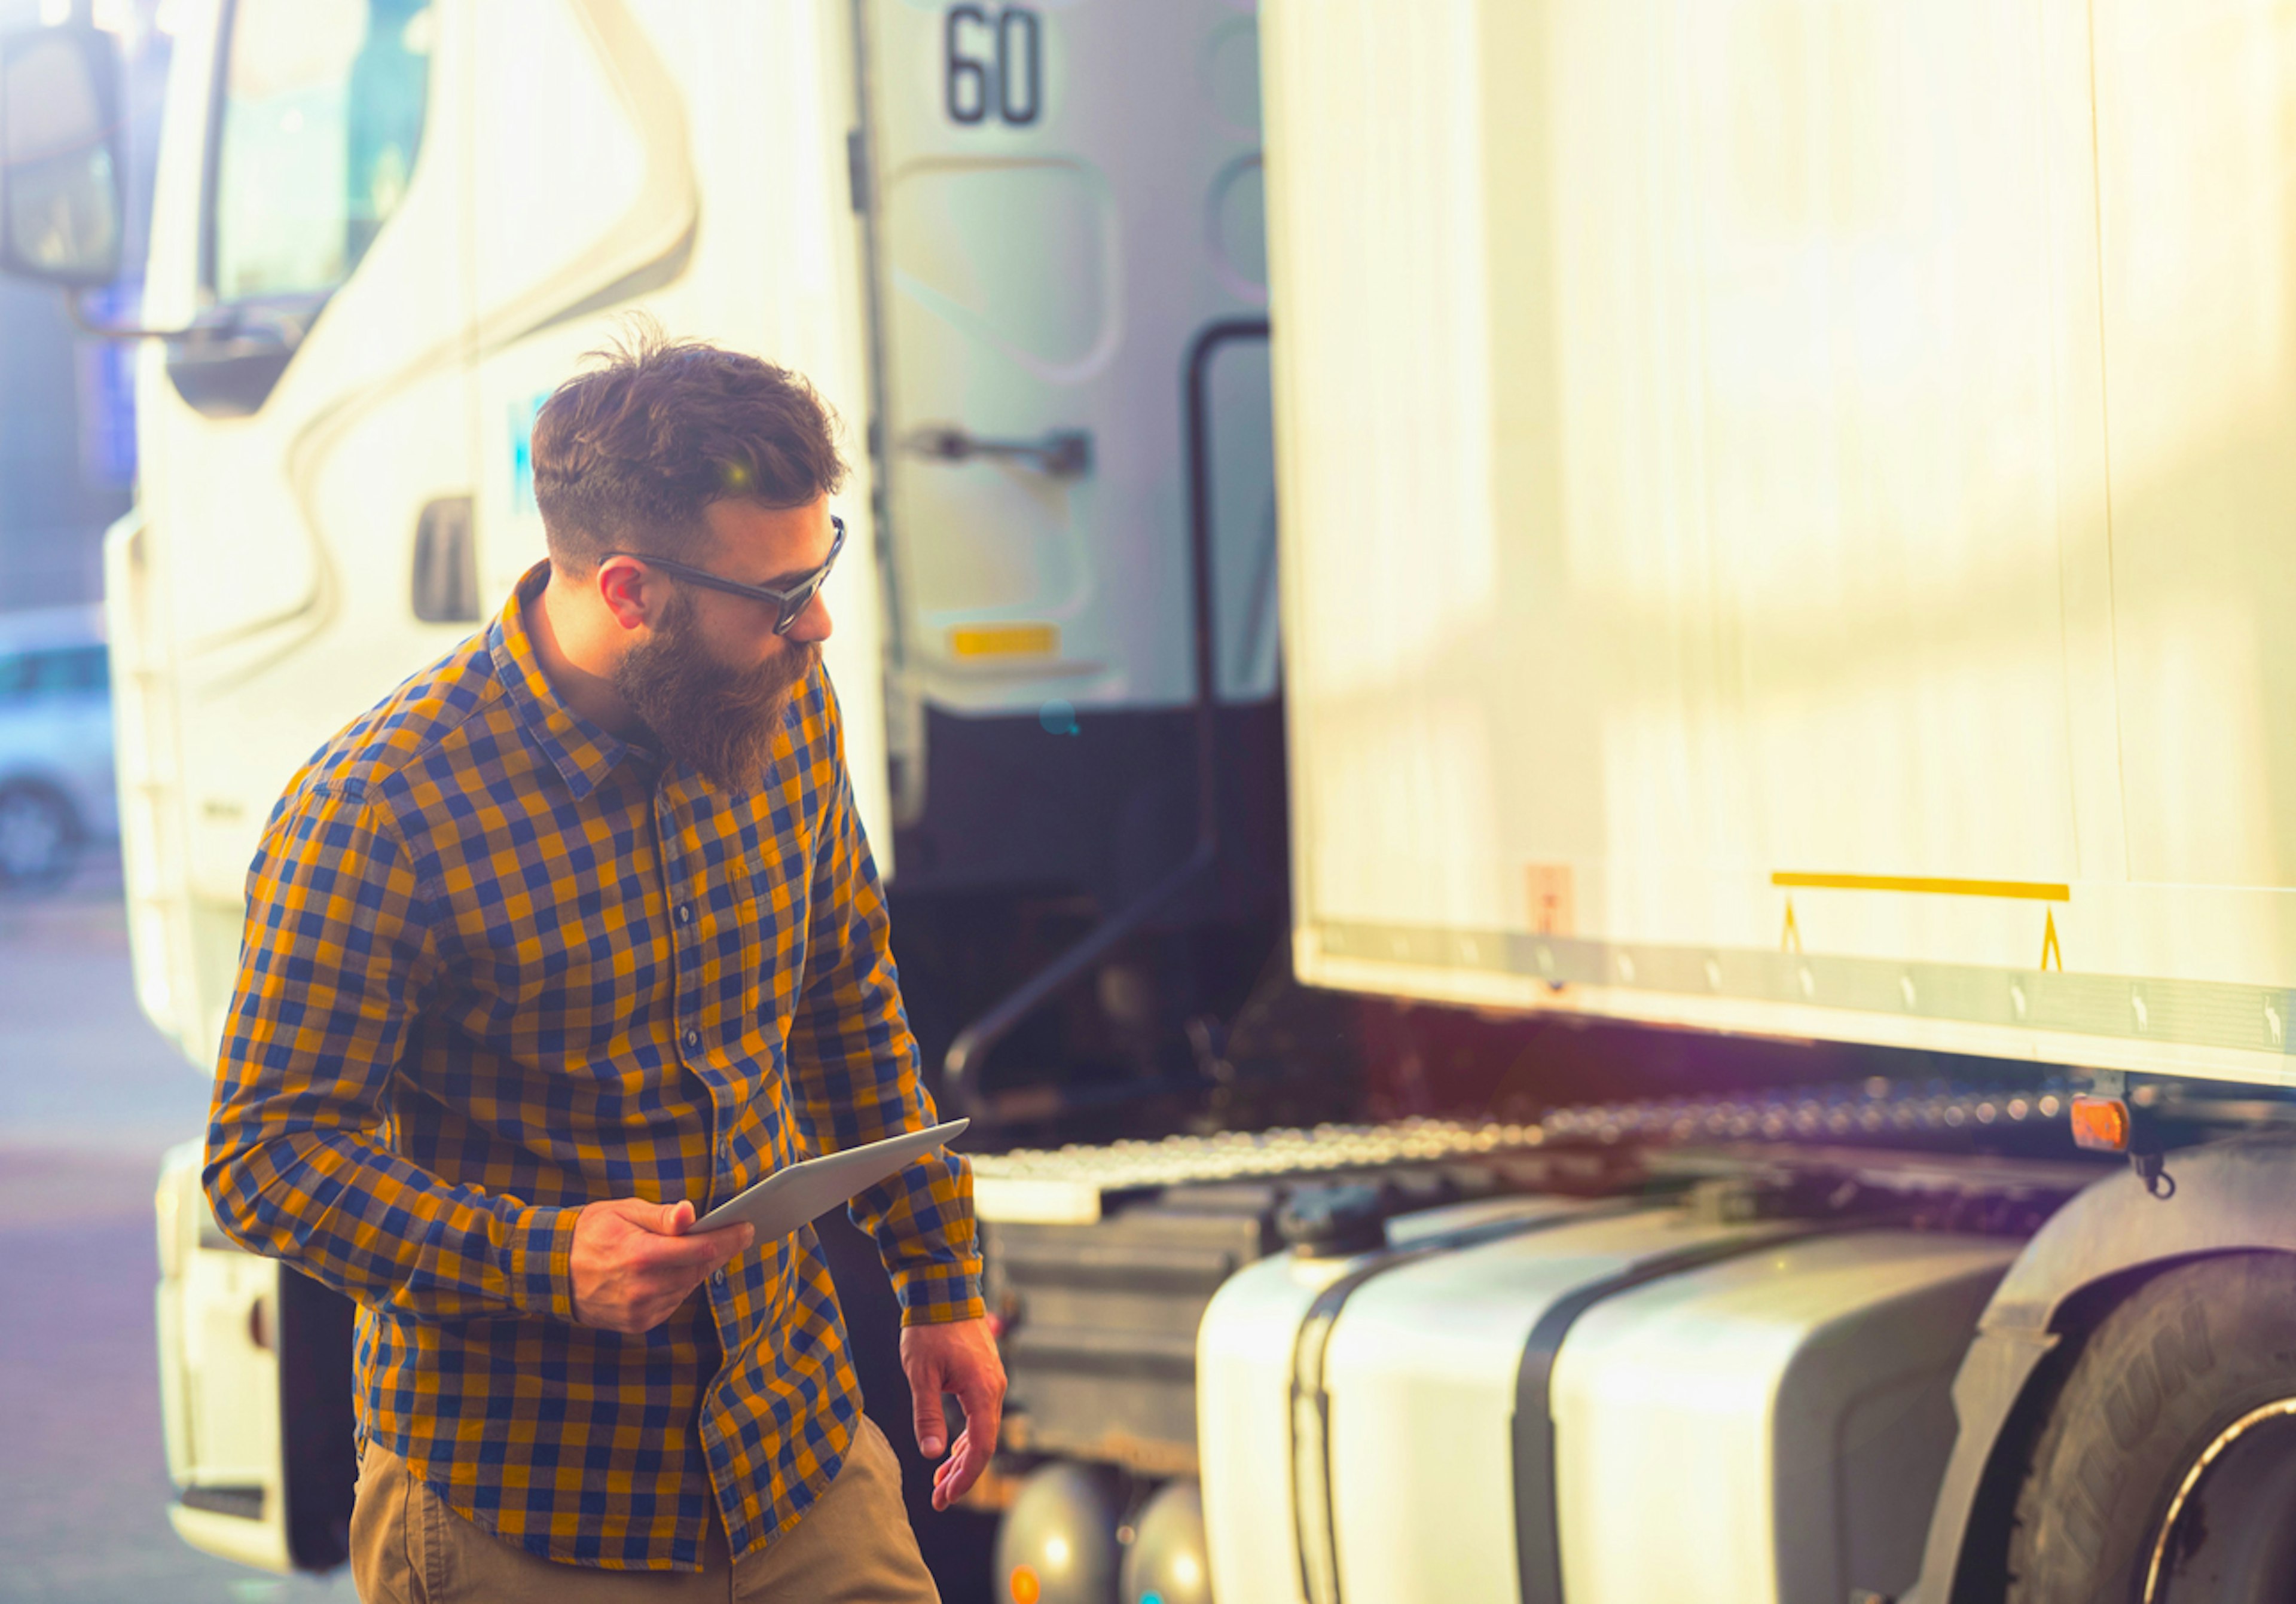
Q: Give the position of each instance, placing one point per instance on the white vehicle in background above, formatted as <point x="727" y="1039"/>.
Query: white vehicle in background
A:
<point x="56" y="791"/>
<point x="1784" y="563"/>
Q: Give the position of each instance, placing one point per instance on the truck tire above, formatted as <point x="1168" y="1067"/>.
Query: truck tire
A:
<point x="2166" y="1472"/>
<point x="40" y="838"/>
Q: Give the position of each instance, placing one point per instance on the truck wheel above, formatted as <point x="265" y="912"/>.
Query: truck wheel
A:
<point x="2167" y="1472"/>
<point x="39" y="837"/>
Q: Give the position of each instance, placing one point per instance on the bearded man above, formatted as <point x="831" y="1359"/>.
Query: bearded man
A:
<point x="573" y="935"/>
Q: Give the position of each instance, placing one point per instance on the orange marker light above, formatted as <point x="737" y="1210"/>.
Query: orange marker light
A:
<point x="1025" y="1587"/>
<point x="2101" y="1124"/>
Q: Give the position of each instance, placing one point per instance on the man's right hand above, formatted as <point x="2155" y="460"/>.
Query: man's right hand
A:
<point x="635" y="1263"/>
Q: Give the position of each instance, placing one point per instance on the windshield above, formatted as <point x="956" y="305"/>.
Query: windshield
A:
<point x="323" y="113"/>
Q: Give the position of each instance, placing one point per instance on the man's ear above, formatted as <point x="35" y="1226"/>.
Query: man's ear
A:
<point x="627" y="591"/>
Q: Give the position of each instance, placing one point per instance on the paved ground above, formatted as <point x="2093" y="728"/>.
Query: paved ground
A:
<point x="89" y="1095"/>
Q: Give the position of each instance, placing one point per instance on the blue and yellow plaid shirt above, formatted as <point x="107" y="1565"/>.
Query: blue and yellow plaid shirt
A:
<point x="499" y="964"/>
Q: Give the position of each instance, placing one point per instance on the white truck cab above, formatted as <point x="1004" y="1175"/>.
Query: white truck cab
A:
<point x="383" y="230"/>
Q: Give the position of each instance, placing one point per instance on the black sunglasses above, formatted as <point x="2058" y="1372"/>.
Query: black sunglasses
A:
<point x="790" y="604"/>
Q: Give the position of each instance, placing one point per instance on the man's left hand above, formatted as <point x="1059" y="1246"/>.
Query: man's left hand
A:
<point x="957" y="1357"/>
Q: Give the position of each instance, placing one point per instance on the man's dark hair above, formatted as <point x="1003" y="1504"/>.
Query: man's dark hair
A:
<point x="626" y="455"/>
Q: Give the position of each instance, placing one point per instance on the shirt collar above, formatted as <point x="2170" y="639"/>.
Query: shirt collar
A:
<point x="583" y="753"/>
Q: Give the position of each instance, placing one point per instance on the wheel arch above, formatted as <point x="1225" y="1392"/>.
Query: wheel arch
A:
<point x="2230" y="1196"/>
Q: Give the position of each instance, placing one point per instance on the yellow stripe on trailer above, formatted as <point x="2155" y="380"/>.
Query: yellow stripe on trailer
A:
<point x="2021" y="890"/>
<point x="1005" y="639"/>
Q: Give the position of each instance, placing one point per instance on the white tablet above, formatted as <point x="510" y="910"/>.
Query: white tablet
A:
<point x="791" y="1198"/>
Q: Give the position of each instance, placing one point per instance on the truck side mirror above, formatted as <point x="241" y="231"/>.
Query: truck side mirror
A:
<point x="63" y="200"/>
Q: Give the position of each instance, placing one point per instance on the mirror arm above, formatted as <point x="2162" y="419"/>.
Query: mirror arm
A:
<point x="76" y="306"/>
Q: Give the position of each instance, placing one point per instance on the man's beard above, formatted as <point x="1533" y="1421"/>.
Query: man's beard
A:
<point x="722" y="720"/>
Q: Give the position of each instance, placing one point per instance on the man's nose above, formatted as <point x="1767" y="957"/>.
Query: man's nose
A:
<point x="812" y="624"/>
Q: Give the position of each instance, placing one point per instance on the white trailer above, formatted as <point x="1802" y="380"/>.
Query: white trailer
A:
<point x="1786" y="513"/>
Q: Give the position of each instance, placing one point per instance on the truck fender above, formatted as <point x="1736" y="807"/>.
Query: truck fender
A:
<point x="2229" y="1197"/>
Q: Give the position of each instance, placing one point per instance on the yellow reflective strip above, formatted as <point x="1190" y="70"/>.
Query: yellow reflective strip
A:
<point x="2023" y="890"/>
<point x="1005" y="639"/>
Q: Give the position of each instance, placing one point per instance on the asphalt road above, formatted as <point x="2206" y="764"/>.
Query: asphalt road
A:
<point x="90" y="1095"/>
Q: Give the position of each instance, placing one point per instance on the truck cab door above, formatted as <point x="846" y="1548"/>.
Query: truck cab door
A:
<point x="302" y="439"/>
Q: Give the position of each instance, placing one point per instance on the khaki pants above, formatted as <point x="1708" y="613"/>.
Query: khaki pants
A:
<point x="854" y="1546"/>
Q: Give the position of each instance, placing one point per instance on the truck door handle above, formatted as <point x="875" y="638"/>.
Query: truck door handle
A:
<point x="1063" y="454"/>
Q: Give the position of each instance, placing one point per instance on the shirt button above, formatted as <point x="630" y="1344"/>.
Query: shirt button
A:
<point x="692" y="1038"/>
<point x="720" y="1280"/>
<point x="685" y="913"/>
